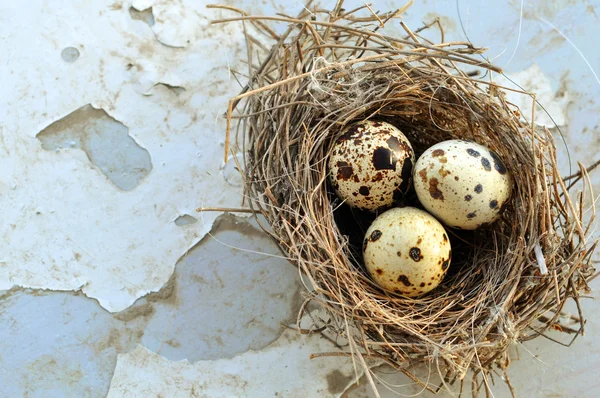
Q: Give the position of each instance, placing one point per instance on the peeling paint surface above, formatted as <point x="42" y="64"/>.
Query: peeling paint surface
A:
<point x="553" y="110"/>
<point x="219" y="303"/>
<point x="112" y="135"/>
<point x="105" y="141"/>
<point x="291" y="373"/>
<point x="62" y="196"/>
<point x="171" y="21"/>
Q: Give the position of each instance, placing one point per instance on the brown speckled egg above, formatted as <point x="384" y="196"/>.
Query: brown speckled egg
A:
<point x="464" y="184"/>
<point x="371" y="164"/>
<point x="407" y="251"/>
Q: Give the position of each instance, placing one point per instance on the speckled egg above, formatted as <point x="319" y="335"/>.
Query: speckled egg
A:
<point x="407" y="251"/>
<point x="371" y="165"/>
<point x="464" y="184"/>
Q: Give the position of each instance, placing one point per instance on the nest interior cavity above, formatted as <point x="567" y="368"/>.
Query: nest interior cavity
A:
<point x="508" y="282"/>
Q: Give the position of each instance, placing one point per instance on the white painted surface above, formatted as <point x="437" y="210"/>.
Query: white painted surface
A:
<point x="58" y="344"/>
<point x="218" y="304"/>
<point x="284" y="369"/>
<point x="66" y="225"/>
<point x="533" y="80"/>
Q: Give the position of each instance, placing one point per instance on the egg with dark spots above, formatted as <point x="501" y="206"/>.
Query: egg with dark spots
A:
<point x="473" y="152"/>
<point x="371" y="165"/>
<point x="487" y="166"/>
<point x="469" y="189"/>
<point x="375" y="235"/>
<point x="411" y="265"/>
<point x="415" y="253"/>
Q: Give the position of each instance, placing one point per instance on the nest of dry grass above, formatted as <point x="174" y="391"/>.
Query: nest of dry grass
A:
<point x="508" y="282"/>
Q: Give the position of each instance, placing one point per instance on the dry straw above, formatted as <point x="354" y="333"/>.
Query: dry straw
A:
<point x="508" y="283"/>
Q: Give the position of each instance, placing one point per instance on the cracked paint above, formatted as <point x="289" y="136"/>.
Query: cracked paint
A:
<point x="65" y="226"/>
<point x="114" y="245"/>
<point x="172" y="23"/>
<point x="144" y="15"/>
<point x="533" y="80"/>
<point x="185" y="219"/>
<point x="283" y="369"/>
<point x="226" y="300"/>
<point x="105" y="141"/>
<point x="220" y="302"/>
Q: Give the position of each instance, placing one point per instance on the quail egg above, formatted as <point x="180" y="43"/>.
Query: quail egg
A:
<point x="370" y="166"/>
<point x="407" y="251"/>
<point x="464" y="184"/>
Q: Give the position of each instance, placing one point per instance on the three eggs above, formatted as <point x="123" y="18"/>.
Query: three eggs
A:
<point x="460" y="184"/>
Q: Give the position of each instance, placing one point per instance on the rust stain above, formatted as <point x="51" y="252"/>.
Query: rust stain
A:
<point x="337" y="382"/>
<point x="143" y="310"/>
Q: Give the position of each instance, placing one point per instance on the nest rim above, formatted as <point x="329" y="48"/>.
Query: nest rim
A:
<point x="510" y="287"/>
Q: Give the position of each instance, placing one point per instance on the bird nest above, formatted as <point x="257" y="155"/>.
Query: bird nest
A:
<point x="508" y="281"/>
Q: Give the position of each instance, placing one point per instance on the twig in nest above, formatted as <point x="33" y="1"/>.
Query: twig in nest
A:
<point x="331" y="70"/>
